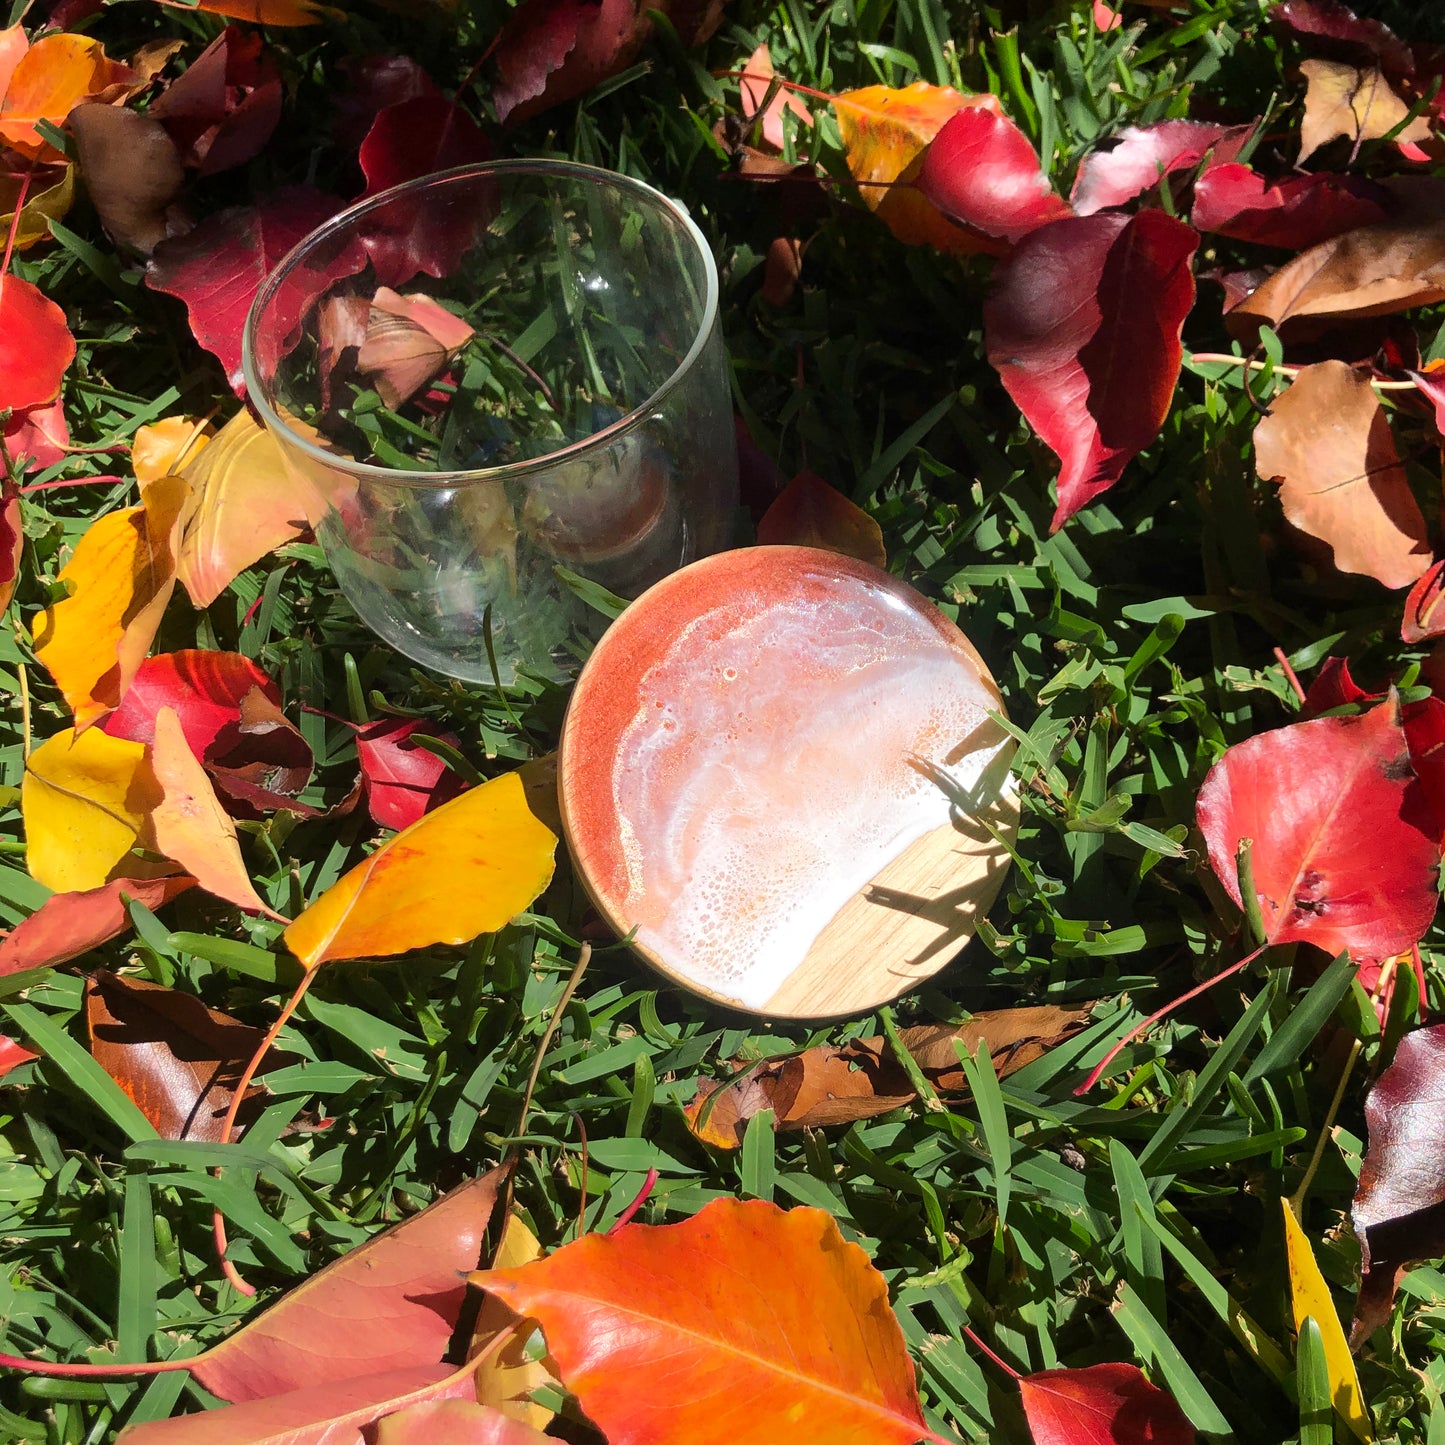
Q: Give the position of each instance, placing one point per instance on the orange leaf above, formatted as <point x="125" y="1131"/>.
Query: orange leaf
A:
<point x="464" y="869"/>
<point x="1327" y="442"/>
<point x="190" y="825"/>
<point x="120" y="578"/>
<point x="244" y="504"/>
<point x="163" y="448"/>
<point x="86" y="802"/>
<point x="260" y="12"/>
<point x="49" y="80"/>
<point x="885" y="133"/>
<point x="747" y="1324"/>
<point x="13" y="45"/>
<point x="810" y="513"/>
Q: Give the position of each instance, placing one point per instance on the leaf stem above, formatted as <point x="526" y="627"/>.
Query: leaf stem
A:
<point x="997" y="1359"/>
<point x="1290" y="675"/>
<point x="648" y="1185"/>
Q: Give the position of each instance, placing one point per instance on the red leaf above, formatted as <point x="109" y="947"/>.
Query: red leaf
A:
<point x="552" y="50"/>
<point x="1346" y="844"/>
<point x="12" y="1055"/>
<point x="1296" y="212"/>
<point x="1425" y="732"/>
<point x="1333" y="687"/>
<point x="69" y="924"/>
<point x="1101" y="1405"/>
<point x="36" y="346"/>
<point x="1345" y="33"/>
<point x="1083" y="326"/>
<point x="39" y="433"/>
<point x="981" y="171"/>
<point x="1423" y="617"/>
<point x="403" y="781"/>
<point x="259" y="760"/>
<point x="12" y="540"/>
<point x="1138" y="158"/>
<point x="223" y="110"/>
<point x="417" y="137"/>
<point x="206" y="690"/>
<point x="218" y="268"/>
<point x="374" y="82"/>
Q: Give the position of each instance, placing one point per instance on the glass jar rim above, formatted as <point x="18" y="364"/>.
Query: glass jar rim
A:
<point x="568" y="170"/>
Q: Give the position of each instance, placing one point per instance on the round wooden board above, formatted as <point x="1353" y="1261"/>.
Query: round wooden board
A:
<point x="706" y="644"/>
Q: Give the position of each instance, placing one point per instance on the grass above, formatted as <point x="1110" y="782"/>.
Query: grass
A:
<point x="1132" y="649"/>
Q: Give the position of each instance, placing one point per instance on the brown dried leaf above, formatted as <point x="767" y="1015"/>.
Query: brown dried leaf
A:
<point x="810" y="513"/>
<point x="1345" y="100"/>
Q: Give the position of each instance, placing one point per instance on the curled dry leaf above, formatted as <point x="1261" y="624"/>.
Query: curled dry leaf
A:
<point x="132" y="172"/>
<point x="177" y="1059"/>
<point x="1327" y="442"/>
<point x="842" y="1083"/>
<point x="1332" y="25"/>
<point x="1346" y="843"/>
<point x="1138" y="158"/>
<point x="87" y="802"/>
<point x="36" y="346"/>
<point x="1424" y="617"/>
<point x="1343" y="100"/>
<point x="67" y="925"/>
<point x="466" y="869"/>
<point x="782" y="270"/>
<point x="259" y="761"/>
<point x="737" y="1318"/>
<point x="1397" y="1210"/>
<point x="810" y="513"/>
<point x="1111" y="1404"/>
<point x="120" y="579"/>
<point x="885" y="133"/>
<point x="1083" y="327"/>
<point x="1296" y="212"/>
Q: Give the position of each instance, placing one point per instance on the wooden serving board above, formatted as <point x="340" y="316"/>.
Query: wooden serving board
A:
<point x="778" y="774"/>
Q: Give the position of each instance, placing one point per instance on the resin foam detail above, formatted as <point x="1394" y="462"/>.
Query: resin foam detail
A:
<point x="764" y="733"/>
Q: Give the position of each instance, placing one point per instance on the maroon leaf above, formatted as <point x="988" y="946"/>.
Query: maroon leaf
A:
<point x="1425" y="732"/>
<point x="417" y="137"/>
<point x="552" y="50"/>
<point x="223" y="110"/>
<point x="1399" y="1205"/>
<point x="1346" y="843"/>
<point x="12" y="540"/>
<point x="218" y="268"/>
<point x="403" y="780"/>
<point x="1101" y="1405"/>
<point x="205" y="689"/>
<point x="1296" y="212"/>
<point x="12" y="1055"/>
<point x="1424" y="617"/>
<point x="1138" y="158"/>
<point x="374" y="82"/>
<point x="259" y="760"/>
<point x="1083" y="326"/>
<point x="1334" y="687"/>
<point x="1343" y="33"/>
<point x="179" y="1060"/>
<point x="981" y="171"/>
<point x="69" y="924"/>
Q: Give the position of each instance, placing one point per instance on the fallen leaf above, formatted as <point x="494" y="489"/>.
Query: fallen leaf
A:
<point x="205" y="689"/>
<point x="87" y="802"/>
<point x="1111" y="1404"/>
<point x="177" y="1059"/>
<point x="36" y="347"/>
<point x="885" y="134"/>
<point x="507" y="1376"/>
<point x="454" y="1422"/>
<point x="841" y="1083"/>
<point x="1335" y="24"/>
<point x="12" y="1055"/>
<point x="259" y="761"/>
<point x="418" y="137"/>
<point x="550" y="51"/>
<point x="403" y="780"/>
<point x="1311" y="1299"/>
<point x="1327" y="443"/>
<point x="163" y="448"/>
<point x="756" y="79"/>
<point x="13" y="44"/>
<point x="1341" y="100"/>
<point x="40" y="434"/>
<point x="1083" y="327"/>
<point x="409" y="341"/>
<point x="48" y="196"/>
<point x="132" y="172"/>
<point x="120" y="578"/>
<point x="189" y="824"/>
<point x="1333" y="687"/>
<point x="1346" y="845"/>
<point x="243" y="505"/>
<point x="1295" y="212"/>
<point x="67" y="925"/>
<point x="981" y="171"/>
<point x="1138" y="158"/>
<point x="390" y="1305"/>
<point x="466" y="869"/>
<point x="810" y="513"/>
<point x="12" y="540"/>
<point x="782" y="269"/>
<point x="221" y="112"/>
<point x="259" y="12"/>
<point x="217" y="268"/>
<point x="374" y="82"/>
<point x="738" y="1318"/>
<point x="1396" y="1210"/>
<point x="1423" y="618"/>
<point x="50" y="79"/>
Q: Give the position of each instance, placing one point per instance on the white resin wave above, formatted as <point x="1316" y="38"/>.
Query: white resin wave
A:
<point x="773" y="787"/>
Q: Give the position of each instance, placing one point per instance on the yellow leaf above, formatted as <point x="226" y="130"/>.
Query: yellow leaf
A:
<point x="507" y="1377"/>
<point x="190" y="825"/>
<point x="885" y="133"/>
<point x="86" y="802"/>
<point x="163" y="448"/>
<point x="244" y="504"/>
<point x="1343" y="100"/>
<point x="1311" y="1298"/>
<point x="48" y="197"/>
<point x="466" y="869"/>
<point x="120" y="578"/>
